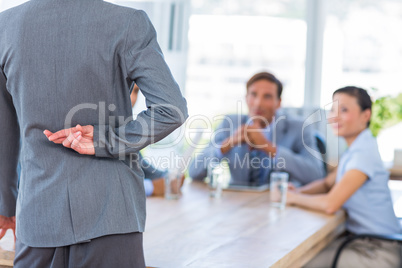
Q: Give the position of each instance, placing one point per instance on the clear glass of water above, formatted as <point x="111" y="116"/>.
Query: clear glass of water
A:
<point x="172" y="185"/>
<point x="215" y="176"/>
<point x="278" y="188"/>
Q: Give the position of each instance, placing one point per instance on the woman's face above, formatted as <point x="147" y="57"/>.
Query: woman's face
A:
<point x="346" y="117"/>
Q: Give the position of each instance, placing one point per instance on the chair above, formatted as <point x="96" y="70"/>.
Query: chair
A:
<point x="330" y="146"/>
<point x="320" y="141"/>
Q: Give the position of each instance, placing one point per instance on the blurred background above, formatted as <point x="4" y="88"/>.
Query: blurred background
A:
<point x="312" y="46"/>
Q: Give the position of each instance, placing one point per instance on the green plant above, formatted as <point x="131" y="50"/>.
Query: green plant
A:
<point x="386" y="112"/>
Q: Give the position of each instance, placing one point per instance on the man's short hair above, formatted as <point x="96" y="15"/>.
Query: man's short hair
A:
<point x="266" y="76"/>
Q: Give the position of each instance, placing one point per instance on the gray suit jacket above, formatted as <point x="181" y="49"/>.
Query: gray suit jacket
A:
<point x="68" y="62"/>
<point x="292" y="155"/>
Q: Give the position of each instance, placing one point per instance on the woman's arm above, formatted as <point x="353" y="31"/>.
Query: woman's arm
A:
<point x="319" y="186"/>
<point x="335" y="198"/>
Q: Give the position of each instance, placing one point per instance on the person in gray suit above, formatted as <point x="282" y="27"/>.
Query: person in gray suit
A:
<point x="262" y="141"/>
<point x="65" y="67"/>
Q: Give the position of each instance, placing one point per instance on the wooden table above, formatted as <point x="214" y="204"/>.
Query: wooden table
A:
<point x="6" y="259"/>
<point x="238" y="230"/>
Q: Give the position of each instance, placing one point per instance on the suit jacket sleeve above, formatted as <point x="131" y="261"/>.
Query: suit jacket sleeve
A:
<point x="301" y="165"/>
<point x="9" y="144"/>
<point x="166" y="107"/>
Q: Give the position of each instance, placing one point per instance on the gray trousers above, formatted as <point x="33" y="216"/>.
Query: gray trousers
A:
<point x="362" y="253"/>
<point x="121" y="250"/>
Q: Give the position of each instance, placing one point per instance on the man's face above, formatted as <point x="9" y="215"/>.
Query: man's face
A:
<point x="262" y="99"/>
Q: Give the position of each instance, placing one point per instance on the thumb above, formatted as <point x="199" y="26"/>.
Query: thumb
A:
<point x="87" y="129"/>
<point x="78" y="127"/>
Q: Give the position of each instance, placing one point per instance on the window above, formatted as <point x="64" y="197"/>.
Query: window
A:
<point x="230" y="40"/>
<point x="363" y="47"/>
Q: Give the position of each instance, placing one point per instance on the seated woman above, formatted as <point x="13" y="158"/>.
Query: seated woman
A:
<point x="359" y="186"/>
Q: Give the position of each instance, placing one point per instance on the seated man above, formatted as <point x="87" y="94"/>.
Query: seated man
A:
<point x="258" y="143"/>
<point x="154" y="181"/>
